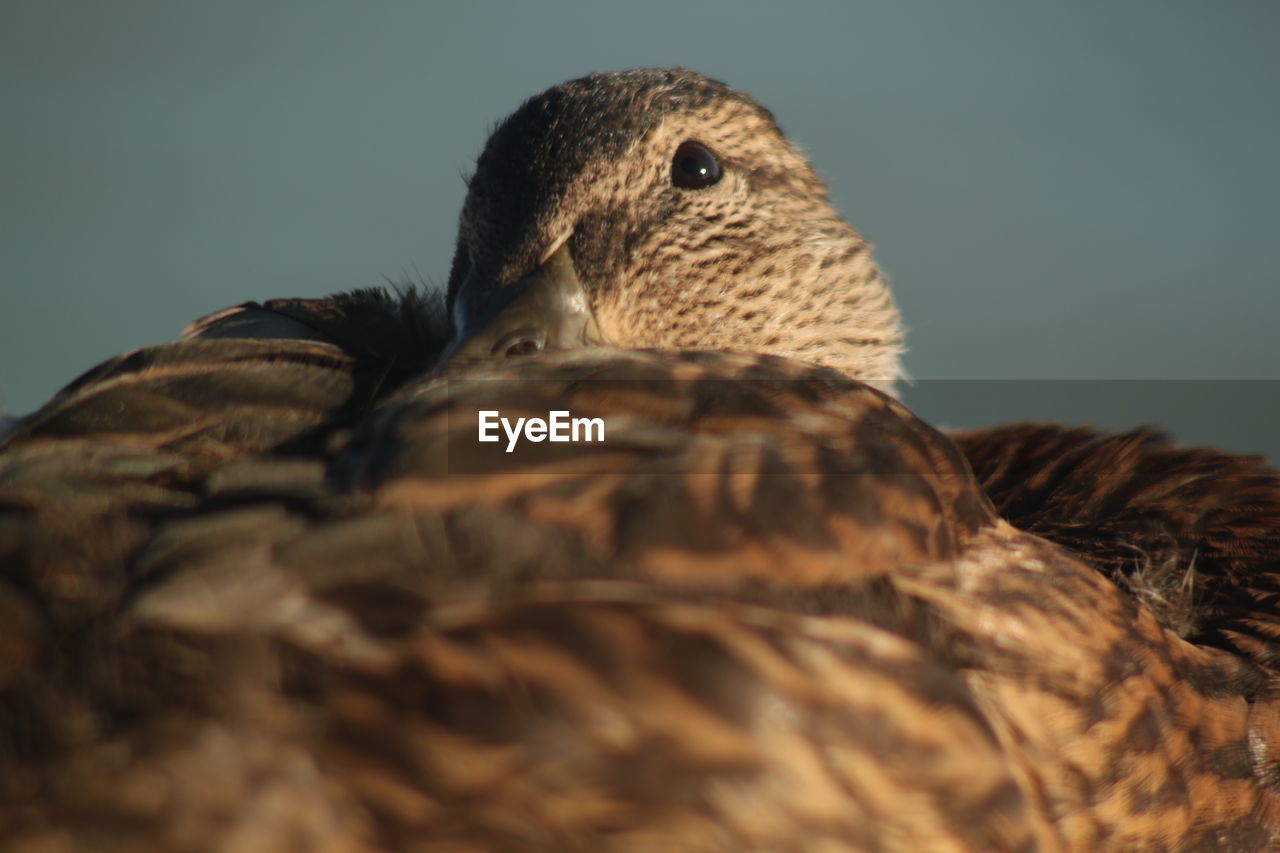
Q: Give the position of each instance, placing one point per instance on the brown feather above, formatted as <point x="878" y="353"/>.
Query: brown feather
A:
<point x="264" y="590"/>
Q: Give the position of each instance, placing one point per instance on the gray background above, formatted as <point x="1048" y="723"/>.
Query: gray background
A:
<point x="1065" y="190"/>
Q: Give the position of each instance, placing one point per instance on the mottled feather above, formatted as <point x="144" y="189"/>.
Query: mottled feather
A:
<point x="264" y="590"/>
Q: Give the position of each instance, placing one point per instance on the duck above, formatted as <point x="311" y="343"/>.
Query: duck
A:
<point x="265" y="588"/>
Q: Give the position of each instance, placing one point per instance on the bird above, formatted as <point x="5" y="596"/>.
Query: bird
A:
<point x="265" y="589"/>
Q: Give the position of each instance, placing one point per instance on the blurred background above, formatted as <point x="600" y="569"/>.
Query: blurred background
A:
<point x="1077" y="201"/>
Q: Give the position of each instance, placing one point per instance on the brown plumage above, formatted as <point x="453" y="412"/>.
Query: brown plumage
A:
<point x="1193" y="533"/>
<point x="263" y="590"/>
<point x="588" y="166"/>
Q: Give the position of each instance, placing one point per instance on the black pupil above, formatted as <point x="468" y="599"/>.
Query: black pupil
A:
<point x="694" y="166"/>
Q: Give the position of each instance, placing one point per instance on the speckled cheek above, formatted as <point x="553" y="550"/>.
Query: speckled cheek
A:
<point x="630" y="319"/>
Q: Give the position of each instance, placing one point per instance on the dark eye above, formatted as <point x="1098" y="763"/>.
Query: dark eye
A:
<point x="694" y="166"/>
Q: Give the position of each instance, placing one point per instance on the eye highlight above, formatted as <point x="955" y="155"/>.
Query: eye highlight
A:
<point x="694" y="167"/>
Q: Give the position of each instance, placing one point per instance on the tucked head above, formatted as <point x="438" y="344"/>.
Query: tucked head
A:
<point x="658" y="208"/>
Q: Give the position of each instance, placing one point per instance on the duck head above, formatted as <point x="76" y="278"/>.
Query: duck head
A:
<point x="659" y="208"/>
